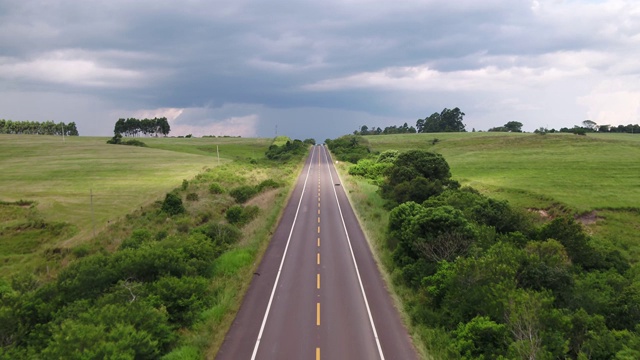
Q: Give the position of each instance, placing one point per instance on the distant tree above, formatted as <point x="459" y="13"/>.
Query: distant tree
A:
<point x="511" y="126"/>
<point x="449" y="120"/>
<point x="591" y="125"/>
<point x="147" y="127"/>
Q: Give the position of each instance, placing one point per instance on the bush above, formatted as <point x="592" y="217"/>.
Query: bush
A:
<point x="185" y="184"/>
<point x="134" y="143"/>
<point x="192" y="197"/>
<point x="172" y="204"/>
<point x="216" y="188"/>
<point x="240" y="216"/>
<point x="268" y="184"/>
<point x="243" y="193"/>
<point x="220" y="234"/>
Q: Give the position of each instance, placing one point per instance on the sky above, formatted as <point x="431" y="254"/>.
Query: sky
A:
<point x="319" y="69"/>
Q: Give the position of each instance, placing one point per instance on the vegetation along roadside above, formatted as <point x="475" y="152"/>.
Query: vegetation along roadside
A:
<point x="162" y="280"/>
<point x="485" y="270"/>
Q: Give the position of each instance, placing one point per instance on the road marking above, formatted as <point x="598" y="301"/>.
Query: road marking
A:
<point x="318" y="281"/>
<point x="318" y="211"/>
<point x="284" y="255"/>
<point x="318" y="229"/>
<point x="318" y="219"/>
<point x="355" y="264"/>
<point x="318" y="242"/>
<point x="318" y="258"/>
<point x="318" y="314"/>
<point x="318" y="353"/>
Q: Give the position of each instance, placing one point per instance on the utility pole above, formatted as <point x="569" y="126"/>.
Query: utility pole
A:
<point x="62" y="131"/>
<point x="218" y="151"/>
<point x="276" y="130"/>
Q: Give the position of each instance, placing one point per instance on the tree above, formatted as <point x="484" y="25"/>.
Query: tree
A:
<point x="513" y="126"/>
<point x="172" y="204"/>
<point x="591" y="125"/>
<point x="416" y="175"/>
<point x="446" y="121"/>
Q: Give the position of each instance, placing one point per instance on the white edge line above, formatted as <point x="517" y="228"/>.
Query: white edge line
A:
<point x="355" y="264"/>
<point x="284" y="255"/>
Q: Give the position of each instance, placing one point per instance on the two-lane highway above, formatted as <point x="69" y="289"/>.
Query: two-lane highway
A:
<point x="317" y="293"/>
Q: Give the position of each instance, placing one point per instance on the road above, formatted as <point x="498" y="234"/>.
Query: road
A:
<point x="317" y="293"/>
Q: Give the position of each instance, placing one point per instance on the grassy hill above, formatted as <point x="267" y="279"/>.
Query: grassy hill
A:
<point x="163" y="235"/>
<point x="83" y="184"/>
<point x="595" y="176"/>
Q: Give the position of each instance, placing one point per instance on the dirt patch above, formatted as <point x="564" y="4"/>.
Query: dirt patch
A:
<point x="588" y="218"/>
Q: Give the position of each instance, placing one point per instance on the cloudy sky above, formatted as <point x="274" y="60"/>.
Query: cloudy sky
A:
<point x="319" y="69"/>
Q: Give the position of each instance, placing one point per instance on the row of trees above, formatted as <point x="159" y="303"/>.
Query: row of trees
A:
<point x="489" y="283"/>
<point x="37" y="128"/>
<point x="404" y="129"/>
<point x="448" y="120"/>
<point x="136" y="127"/>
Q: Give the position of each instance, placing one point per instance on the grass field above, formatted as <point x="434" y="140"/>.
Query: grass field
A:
<point x="83" y="184"/>
<point x="556" y="172"/>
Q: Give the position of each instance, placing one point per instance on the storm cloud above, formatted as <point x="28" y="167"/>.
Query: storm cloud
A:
<point x="312" y="69"/>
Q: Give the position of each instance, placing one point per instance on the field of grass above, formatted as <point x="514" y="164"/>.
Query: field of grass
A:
<point x="555" y="172"/>
<point x="83" y="184"/>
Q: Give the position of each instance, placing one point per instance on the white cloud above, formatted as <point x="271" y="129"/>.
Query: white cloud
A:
<point x="70" y="67"/>
<point x="169" y="113"/>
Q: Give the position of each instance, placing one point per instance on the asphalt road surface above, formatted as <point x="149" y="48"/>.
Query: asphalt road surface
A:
<point x="317" y="293"/>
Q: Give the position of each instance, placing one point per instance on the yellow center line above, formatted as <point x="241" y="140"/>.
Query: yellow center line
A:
<point x="318" y="219"/>
<point x="318" y="211"/>
<point x="318" y="314"/>
<point x="318" y="242"/>
<point x="318" y="229"/>
<point x="318" y="281"/>
<point x="317" y="353"/>
<point x="318" y="259"/>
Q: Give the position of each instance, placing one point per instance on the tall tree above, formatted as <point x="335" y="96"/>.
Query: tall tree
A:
<point x="449" y="120"/>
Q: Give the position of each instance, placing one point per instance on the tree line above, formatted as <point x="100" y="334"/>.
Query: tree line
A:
<point x="487" y="281"/>
<point x="448" y="120"/>
<point x="136" y="127"/>
<point x="37" y="128"/>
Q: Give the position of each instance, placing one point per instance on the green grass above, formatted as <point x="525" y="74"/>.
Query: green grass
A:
<point x="88" y="184"/>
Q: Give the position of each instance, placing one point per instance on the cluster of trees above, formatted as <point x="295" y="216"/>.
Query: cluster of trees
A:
<point x="511" y="126"/>
<point x="494" y="284"/>
<point x="135" y="127"/>
<point x="37" y="128"/>
<point x="289" y="150"/>
<point x="404" y="129"/>
<point x="448" y="120"/>
<point x="128" y="304"/>
<point x="349" y="148"/>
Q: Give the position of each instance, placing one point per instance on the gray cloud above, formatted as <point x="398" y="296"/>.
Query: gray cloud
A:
<point x="319" y="69"/>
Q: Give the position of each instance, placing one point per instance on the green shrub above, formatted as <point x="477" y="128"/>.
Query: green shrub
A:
<point x="243" y="193"/>
<point x="134" y="143"/>
<point x="268" y="184"/>
<point x="81" y="250"/>
<point x="220" y="234"/>
<point x="185" y="184"/>
<point x="216" y="188"/>
<point x="192" y="197"/>
<point x="172" y="204"/>
<point x="240" y="216"/>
